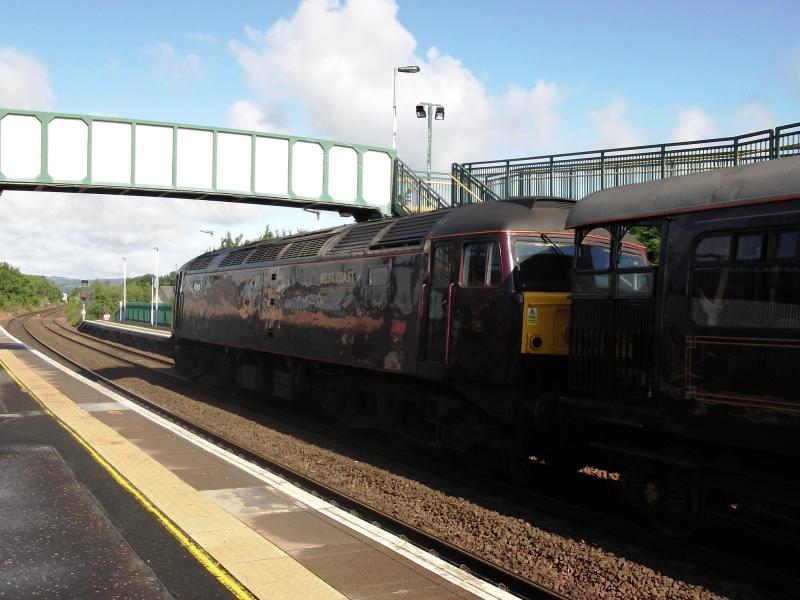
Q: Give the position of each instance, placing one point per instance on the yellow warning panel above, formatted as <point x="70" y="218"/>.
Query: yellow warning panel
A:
<point x="545" y="320"/>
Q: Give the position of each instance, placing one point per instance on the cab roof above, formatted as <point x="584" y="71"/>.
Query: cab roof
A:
<point x="542" y="213"/>
<point x="769" y="181"/>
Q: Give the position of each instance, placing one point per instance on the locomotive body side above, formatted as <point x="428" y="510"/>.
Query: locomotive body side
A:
<point x="357" y="312"/>
<point x="431" y="326"/>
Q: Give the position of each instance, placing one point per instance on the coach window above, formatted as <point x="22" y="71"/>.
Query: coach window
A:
<point x="637" y="253"/>
<point x="593" y="264"/>
<point x="747" y="280"/>
<point x="481" y="266"/>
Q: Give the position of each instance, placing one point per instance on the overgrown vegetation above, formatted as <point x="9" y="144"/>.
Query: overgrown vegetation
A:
<point x="20" y="291"/>
<point x="104" y="298"/>
<point x="650" y="237"/>
<point x="230" y="241"/>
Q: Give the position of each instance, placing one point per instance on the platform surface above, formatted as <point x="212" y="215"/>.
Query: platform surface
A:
<point x="131" y="328"/>
<point x="248" y="530"/>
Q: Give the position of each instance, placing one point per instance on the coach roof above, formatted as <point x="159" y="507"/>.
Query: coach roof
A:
<point x="769" y="181"/>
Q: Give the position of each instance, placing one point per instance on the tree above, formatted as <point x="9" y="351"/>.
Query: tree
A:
<point x="650" y="237"/>
<point x="104" y="299"/>
<point x="229" y="241"/>
<point x="18" y="290"/>
<point x="168" y="279"/>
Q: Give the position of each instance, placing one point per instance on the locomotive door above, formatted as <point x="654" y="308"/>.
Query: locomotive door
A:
<point x="440" y="290"/>
<point x="178" y="308"/>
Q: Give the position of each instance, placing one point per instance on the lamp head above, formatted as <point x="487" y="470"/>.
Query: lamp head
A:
<point x="421" y="111"/>
<point x="439" y="114"/>
<point x="408" y="69"/>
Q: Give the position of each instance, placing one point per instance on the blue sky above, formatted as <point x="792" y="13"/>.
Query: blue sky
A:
<point x="517" y="78"/>
<point x="659" y="57"/>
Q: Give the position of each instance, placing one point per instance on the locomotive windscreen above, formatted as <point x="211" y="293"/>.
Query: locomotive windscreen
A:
<point x="543" y="263"/>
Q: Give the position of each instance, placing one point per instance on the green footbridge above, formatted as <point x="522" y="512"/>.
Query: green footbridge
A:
<point x="46" y="151"/>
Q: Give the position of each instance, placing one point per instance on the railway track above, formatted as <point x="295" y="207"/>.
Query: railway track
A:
<point x="151" y="356"/>
<point x="113" y="350"/>
<point x="468" y="561"/>
<point x="618" y="524"/>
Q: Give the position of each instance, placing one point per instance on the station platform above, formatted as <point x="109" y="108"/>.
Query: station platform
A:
<point x="139" y="329"/>
<point x="100" y="498"/>
<point x="139" y="336"/>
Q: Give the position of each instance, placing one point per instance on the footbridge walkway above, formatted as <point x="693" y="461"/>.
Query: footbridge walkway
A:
<point x="47" y="151"/>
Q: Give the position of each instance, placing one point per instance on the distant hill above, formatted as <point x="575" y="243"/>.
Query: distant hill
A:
<point x="65" y="284"/>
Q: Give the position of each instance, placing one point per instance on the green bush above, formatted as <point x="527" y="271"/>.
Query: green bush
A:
<point x="18" y="290"/>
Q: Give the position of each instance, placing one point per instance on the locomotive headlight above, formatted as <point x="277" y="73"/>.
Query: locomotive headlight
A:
<point x="536" y="342"/>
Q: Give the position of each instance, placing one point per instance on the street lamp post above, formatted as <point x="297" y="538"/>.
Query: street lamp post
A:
<point x="211" y="233"/>
<point x="434" y="111"/>
<point x="154" y="291"/>
<point x="407" y="69"/>
<point x="124" y="289"/>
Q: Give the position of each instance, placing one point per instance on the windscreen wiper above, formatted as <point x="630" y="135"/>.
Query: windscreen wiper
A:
<point x="547" y="239"/>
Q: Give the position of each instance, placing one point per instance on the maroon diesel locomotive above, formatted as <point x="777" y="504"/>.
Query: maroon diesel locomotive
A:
<point x="442" y="328"/>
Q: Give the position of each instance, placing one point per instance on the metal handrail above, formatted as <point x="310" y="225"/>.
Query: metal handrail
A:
<point x="411" y="195"/>
<point x="577" y="174"/>
<point x="466" y="182"/>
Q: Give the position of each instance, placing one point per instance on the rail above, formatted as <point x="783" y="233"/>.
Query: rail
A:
<point x="578" y="174"/>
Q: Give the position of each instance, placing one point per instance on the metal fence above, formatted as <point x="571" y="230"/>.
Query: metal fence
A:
<point x="139" y="312"/>
<point x="578" y="174"/>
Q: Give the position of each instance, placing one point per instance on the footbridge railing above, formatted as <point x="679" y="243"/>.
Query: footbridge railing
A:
<point x="577" y="174"/>
<point x="46" y="151"/>
<point x="411" y="194"/>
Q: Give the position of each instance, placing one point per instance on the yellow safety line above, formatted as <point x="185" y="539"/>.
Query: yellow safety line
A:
<point x="205" y="559"/>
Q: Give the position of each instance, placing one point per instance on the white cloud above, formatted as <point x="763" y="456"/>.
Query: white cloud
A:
<point x="754" y="117"/>
<point x="612" y="128"/>
<point x="24" y="81"/>
<point x="693" y="124"/>
<point x="330" y="66"/>
<point x="171" y="68"/>
<point x="244" y="114"/>
<point x="202" y="37"/>
<point x="86" y="235"/>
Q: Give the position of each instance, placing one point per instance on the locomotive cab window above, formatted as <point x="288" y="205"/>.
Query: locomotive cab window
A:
<point x="481" y="265"/>
<point x="747" y="280"/>
<point x="542" y="263"/>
